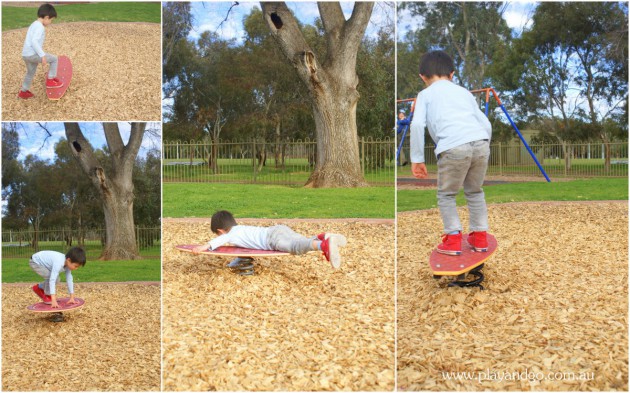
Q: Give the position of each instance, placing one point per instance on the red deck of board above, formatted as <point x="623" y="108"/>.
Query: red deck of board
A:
<point x="64" y="74"/>
<point x="443" y="264"/>
<point x="236" y="251"/>
<point x="63" y="305"/>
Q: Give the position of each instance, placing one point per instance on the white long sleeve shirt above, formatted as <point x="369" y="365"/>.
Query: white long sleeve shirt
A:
<point x="34" y="42"/>
<point x="55" y="262"/>
<point x="245" y="236"/>
<point x="452" y="116"/>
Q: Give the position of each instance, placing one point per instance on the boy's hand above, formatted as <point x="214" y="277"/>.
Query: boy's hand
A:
<point x="419" y="170"/>
<point x="199" y="249"/>
<point x="44" y="62"/>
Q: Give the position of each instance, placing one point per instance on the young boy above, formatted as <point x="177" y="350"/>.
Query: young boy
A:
<point x="278" y="237"/>
<point x="462" y="135"/>
<point x="401" y="124"/>
<point x="33" y="51"/>
<point x="49" y="264"/>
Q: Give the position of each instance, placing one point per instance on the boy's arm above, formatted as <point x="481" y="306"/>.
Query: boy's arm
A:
<point x="212" y="244"/>
<point x="35" y="42"/>
<point x="200" y="248"/>
<point x="416" y="131"/>
<point x="70" y="283"/>
<point x="219" y="241"/>
<point x="482" y="118"/>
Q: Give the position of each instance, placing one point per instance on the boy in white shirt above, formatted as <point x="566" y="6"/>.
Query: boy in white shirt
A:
<point x="462" y="136"/>
<point x="278" y="237"/>
<point x="49" y="264"/>
<point x="33" y="51"/>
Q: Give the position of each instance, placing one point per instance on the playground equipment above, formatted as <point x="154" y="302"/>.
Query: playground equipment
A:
<point x="488" y="91"/>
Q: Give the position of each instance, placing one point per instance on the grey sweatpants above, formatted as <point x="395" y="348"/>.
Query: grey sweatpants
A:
<point x="31" y="67"/>
<point x="45" y="273"/>
<point x="463" y="166"/>
<point x="283" y="238"/>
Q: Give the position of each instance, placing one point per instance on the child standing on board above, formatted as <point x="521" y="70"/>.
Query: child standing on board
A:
<point x="278" y="237"/>
<point x="33" y="51"/>
<point x="462" y="136"/>
<point x="49" y="264"/>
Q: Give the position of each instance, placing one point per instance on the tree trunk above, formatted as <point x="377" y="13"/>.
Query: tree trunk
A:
<point x="115" y="189"/>
<point x="332" y="85"/>
<point x="120" y="231"/>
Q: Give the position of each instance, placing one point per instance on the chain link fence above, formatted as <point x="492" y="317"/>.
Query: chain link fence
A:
<point x="256" y="161"/>
<point x="24" y="243"/>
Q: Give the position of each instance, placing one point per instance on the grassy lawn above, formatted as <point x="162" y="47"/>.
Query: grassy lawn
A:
<point x="265" y="201"/>
<point x="93" y="249"/>
<point x="18" y="270"/>
<point x="575" y="190"/>
<point x="19" y="17"/>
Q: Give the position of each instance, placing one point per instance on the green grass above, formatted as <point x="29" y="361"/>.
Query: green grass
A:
<point x="18" y="270"/>
<point x="20" y="17"/>
<point x="93" y="249"/>
<point x="575" y="190"/>
<point x="264" y="201"/>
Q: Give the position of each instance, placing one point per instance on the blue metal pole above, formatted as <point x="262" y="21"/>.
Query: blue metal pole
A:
<point x="531" y="153"/>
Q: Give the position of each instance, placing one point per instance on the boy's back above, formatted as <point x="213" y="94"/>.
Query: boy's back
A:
<point x="452" y="116"/>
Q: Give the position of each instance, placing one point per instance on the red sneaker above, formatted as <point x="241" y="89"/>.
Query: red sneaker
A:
<point x="341" y="240"/>
<point x="25" y="94"/>
<point x="478" y="241"/>
<point x="53" y="83"/>
<point x="330" y="248"/>
<point x="40" y="292"/>
<point x="451" y="244"/>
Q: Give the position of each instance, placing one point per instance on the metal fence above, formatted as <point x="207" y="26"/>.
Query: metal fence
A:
<point x="23" y="243"/>
<point x="256" y="161"/>
<point x="568" y="160"/>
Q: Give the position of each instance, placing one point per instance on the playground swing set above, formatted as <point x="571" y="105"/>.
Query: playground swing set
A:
<point x="487" y="91"/>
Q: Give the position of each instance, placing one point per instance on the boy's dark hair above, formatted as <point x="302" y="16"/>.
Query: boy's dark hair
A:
<point x="76" y="255"/>
<point x="222" y="219"/>
<point x="436" y="63"/>
<point x="46" y="10"/>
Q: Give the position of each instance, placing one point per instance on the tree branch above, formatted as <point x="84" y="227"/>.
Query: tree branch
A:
<point x="114" y="140"/>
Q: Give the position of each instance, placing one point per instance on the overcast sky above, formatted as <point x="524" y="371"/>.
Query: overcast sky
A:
<point x="35" y="140"/>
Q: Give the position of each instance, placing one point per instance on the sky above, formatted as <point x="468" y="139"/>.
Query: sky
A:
<point x="33" y="138"/>
<point x="517" y="16"/>
<point x="210" y="16"/>
<point x="214" y="16"/>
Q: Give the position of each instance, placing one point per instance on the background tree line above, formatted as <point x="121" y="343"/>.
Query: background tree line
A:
<point x="566" y="75"/>
<point x="43" y="194"/>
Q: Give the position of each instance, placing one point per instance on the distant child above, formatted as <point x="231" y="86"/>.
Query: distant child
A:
<point x="49" y="264"/>
<point x="33" y="51"/>
<point x="462" y="135"/>
<point x="402" y="123"/>
<point x="278" y="237"/>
